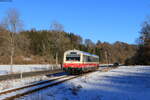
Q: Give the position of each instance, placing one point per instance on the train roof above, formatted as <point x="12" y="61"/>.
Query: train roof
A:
<point x="85" y="53"/>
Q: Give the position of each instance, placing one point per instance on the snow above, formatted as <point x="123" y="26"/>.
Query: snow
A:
<point x="15" y="83"/>
<point x="35" y="87"/>
<point x="6" y="69"/>
<point x="123" y="83"/>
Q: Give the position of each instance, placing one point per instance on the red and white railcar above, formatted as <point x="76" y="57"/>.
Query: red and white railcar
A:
<point x="78" y="61"/>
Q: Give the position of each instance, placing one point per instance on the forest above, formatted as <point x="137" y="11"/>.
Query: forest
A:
<point x="18" y="46"/>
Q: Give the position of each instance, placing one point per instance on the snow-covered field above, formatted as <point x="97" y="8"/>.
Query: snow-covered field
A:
<point x="123" y="83"/>
<point x="6" y="69"/>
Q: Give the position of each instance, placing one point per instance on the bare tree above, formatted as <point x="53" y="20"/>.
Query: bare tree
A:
<point x="56" y="26"/>
<point x="89" y="43"/>
<point x="58" y="36"/>
<point x="12" y="23"/>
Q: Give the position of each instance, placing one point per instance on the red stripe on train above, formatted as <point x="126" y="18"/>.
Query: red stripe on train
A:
<point x="78" y="65"/>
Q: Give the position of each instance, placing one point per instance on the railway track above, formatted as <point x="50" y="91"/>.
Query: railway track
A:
<point x="22" y="91"/>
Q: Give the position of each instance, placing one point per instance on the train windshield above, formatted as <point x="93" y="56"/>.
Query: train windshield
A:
<point x="73" y="57"/>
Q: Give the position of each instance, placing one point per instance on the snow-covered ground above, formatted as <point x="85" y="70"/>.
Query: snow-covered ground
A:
<point x="6" y="69"/>
<point x="16" y="83"/>
<point x="123" y="83"/>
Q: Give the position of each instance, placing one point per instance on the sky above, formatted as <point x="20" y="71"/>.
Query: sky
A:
<point x="104" y="20"/>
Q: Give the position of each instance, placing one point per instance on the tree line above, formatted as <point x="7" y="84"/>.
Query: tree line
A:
<point x="48" y="46"/>
<point x="142" y="55"/>
<point x="45" y="46"/>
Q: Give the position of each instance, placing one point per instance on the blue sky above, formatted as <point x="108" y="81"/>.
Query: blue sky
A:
<point x="104" y="20"/>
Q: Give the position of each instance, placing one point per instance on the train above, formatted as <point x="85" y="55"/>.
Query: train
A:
<point x="76" y="61"/>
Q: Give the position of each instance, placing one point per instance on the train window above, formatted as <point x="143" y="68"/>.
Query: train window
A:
<point x="96" y="59"/>
<point x="90" y="59"/>
<point x="85" y="58"/>
<point x="73" y="53"/>
<point x="72" y="58"/>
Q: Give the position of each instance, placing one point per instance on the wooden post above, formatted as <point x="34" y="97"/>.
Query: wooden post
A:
<point x="106" y="58"/>
<point x="21" y="75"/>
<point x="56" y="58"/>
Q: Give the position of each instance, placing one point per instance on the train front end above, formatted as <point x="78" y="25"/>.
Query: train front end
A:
<point x="72" y="62"/>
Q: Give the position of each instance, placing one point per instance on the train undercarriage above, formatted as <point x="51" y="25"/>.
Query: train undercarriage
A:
<point x="72" y="70"/>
